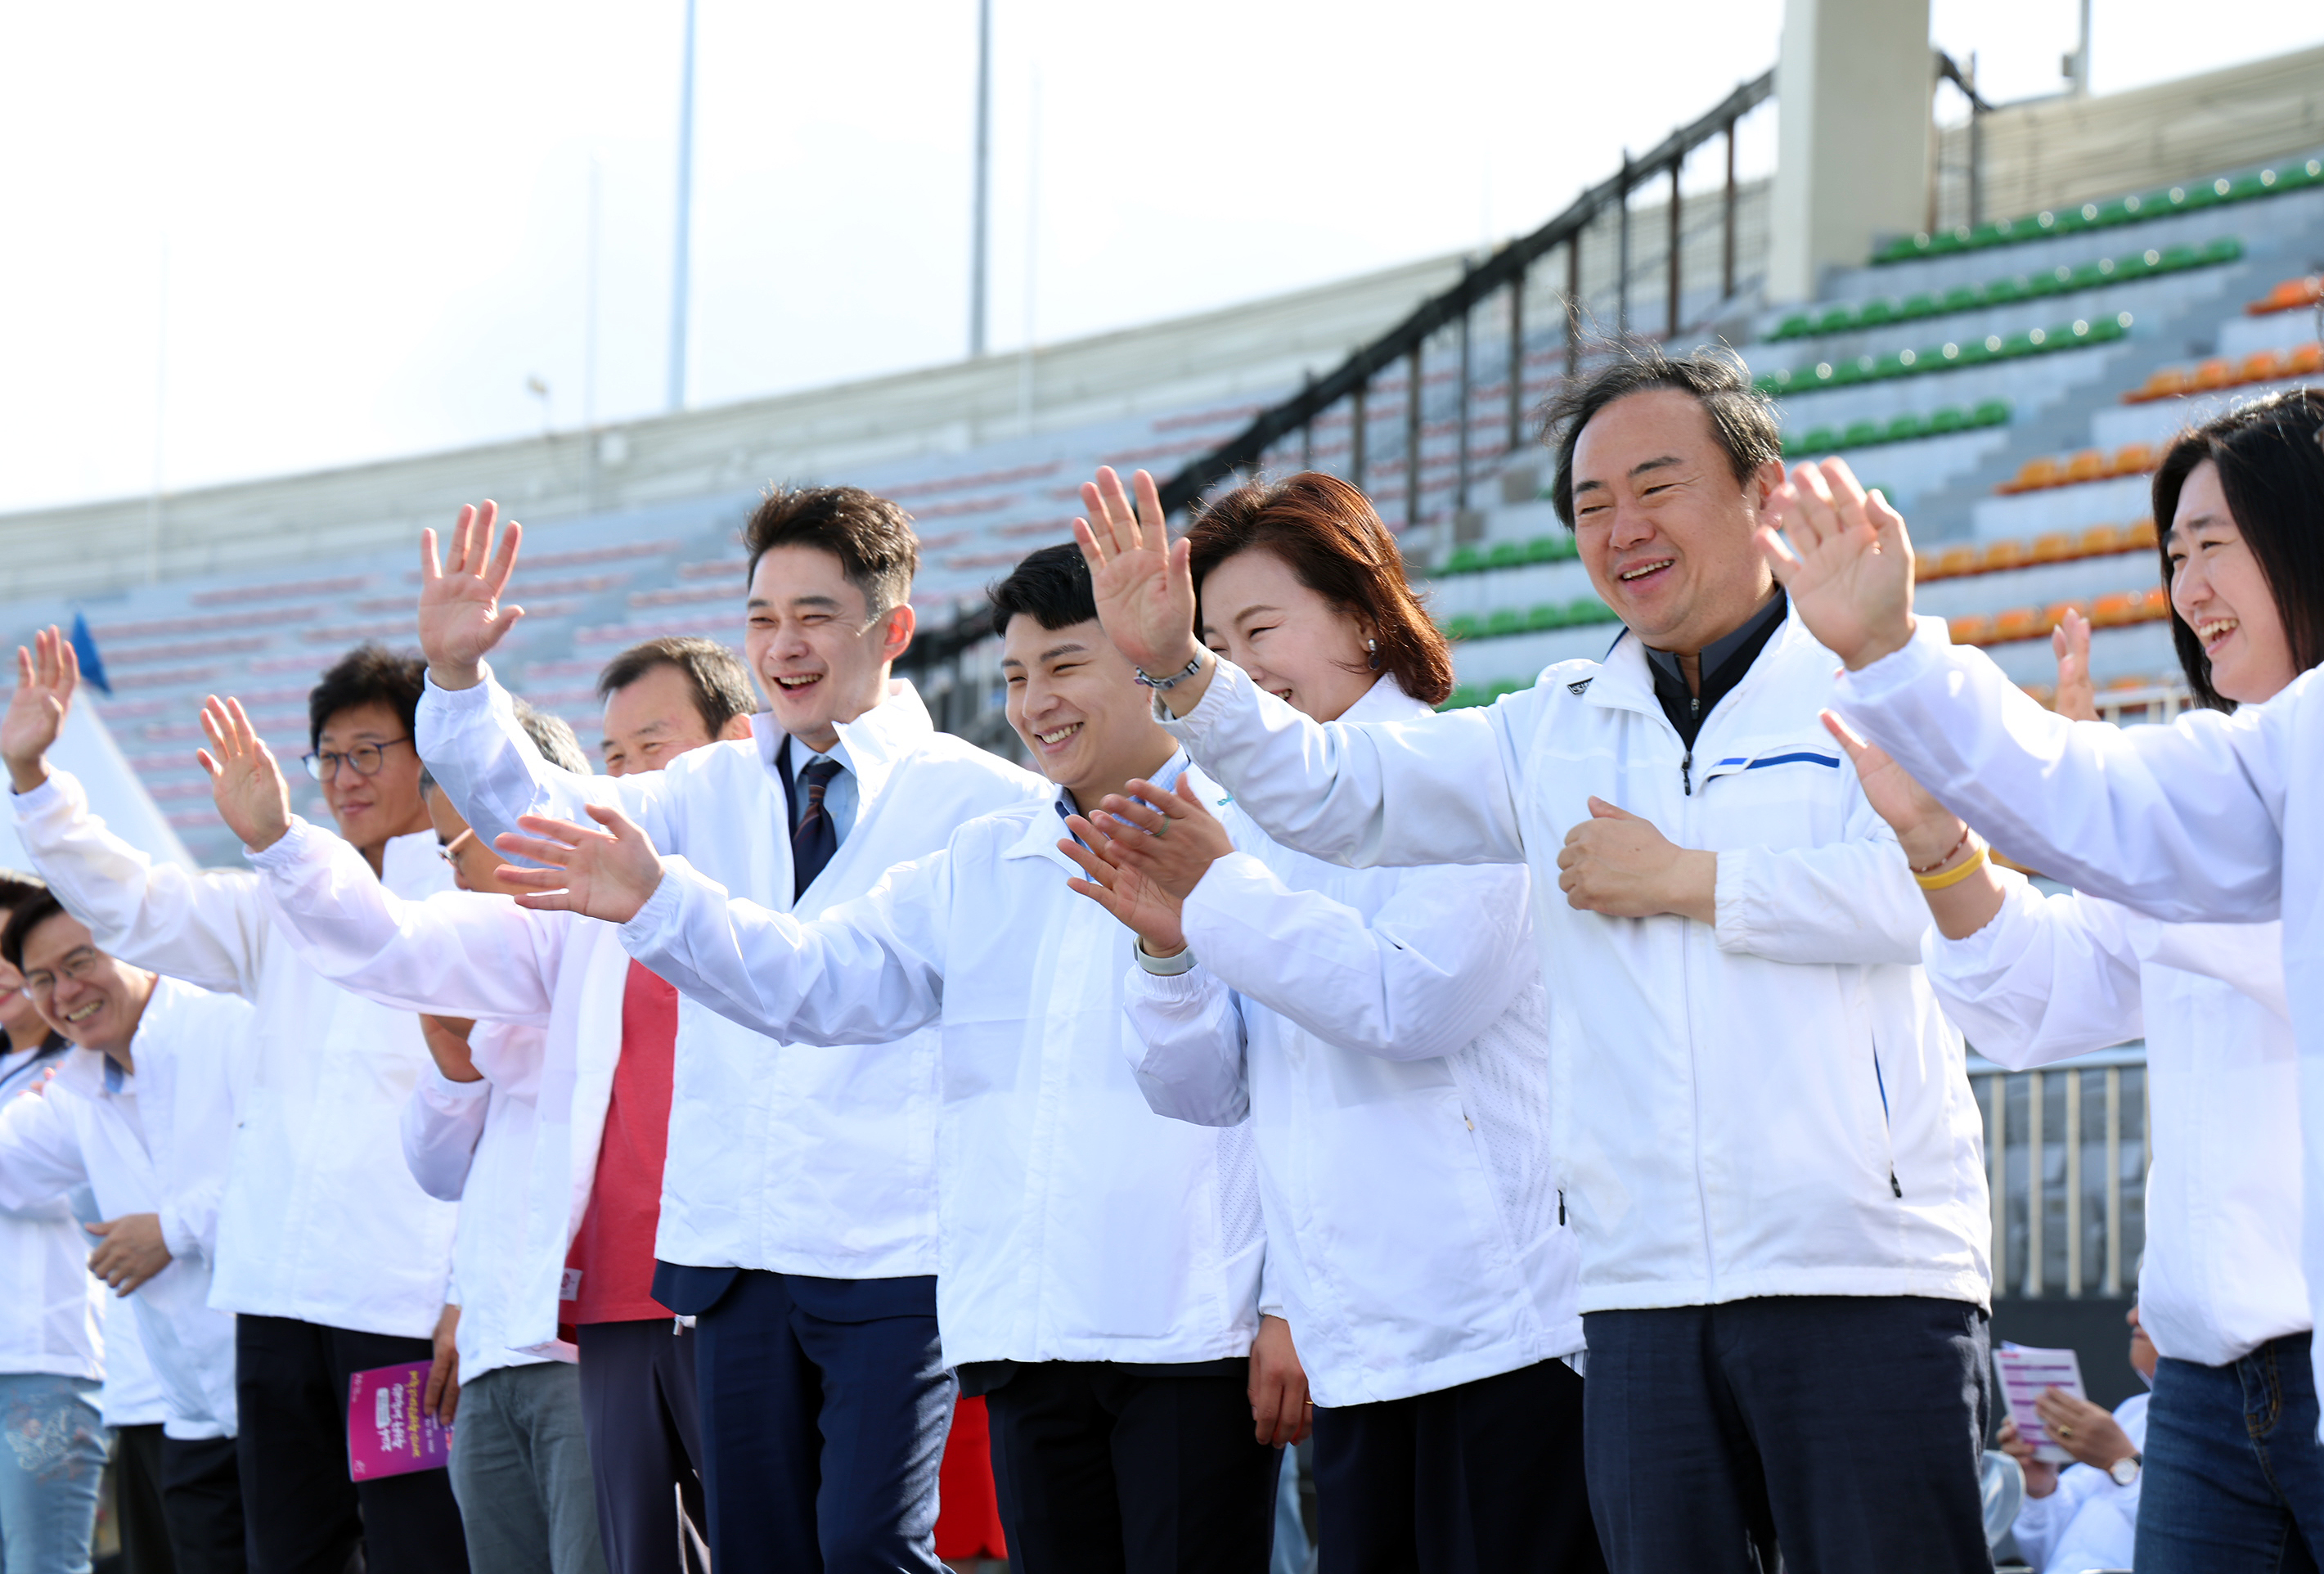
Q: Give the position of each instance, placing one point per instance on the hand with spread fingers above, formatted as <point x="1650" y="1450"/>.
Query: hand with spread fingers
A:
<point x="1136" y="902"/>
<point x="1845" y="559"/>
<point x="1167" y="834"/>
<point x="1144" y="588"/>
<point x="246" y="781"/>
<point x="607" y="871"/>
<point x="460" y="613"/>
<point x="46" y="676"/>
<point x="2077" y="697"/>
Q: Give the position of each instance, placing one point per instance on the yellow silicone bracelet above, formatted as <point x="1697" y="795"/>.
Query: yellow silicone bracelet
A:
<point x="1951" y="876"/>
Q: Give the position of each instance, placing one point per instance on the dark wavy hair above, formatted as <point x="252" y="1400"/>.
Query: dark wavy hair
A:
<point x="1329" y="535"/>
<point x="1742" y="418"/>
<point x="2270" y="455"/>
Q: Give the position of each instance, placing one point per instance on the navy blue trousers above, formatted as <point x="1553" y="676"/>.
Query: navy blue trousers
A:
<point x="825" y="1405"/>
<point x="1847" y="1428"/>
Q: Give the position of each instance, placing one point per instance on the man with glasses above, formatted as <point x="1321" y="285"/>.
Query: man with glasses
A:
<point x="329" y="1252"/>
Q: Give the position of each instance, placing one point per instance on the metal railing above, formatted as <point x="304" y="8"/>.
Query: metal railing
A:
<point x="2066" y="1152"/>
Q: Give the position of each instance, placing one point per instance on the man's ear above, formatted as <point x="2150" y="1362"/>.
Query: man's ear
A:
<point x="735" y="727"/>
<point x="1761" y="491"/>
<point x="897" y="638"/>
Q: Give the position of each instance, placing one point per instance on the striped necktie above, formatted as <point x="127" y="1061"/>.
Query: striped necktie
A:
<point x="816" y="838"/>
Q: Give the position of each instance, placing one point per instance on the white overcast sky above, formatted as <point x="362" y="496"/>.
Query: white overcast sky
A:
<point x="249" y="238"/>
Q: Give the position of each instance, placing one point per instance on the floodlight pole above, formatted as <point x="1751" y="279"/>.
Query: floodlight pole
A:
<point x="979" y="236"/>
<point x="681" y="272"/>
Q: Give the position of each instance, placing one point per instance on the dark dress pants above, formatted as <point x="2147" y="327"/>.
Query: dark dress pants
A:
<point x="137" y="1500"/>
<point x="1846" y="1430"/>
<point x="1485" y="1478"/>
<point x="305" y="1515"/>
<point x="1112" y="1469"/>
<point x="638" y="1401"/>
<point x="825" y="1405"/>
<point x="201" y="1498"/>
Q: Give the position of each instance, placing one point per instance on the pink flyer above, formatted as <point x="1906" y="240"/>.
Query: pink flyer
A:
<point x="387" y="1434"/>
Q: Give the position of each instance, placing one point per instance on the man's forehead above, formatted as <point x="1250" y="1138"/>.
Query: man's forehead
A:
<point x="787" y="575"/>
<point x="1658" y="423"/>
<point x="58" y="935"/>
<point x="1027" y="642"/>
<point x="364" y="721"/>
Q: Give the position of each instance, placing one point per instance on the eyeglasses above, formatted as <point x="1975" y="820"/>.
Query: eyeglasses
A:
<point x="366" y="758"/>
<point x="81" y="966"/>
<point x="449" y="852"/>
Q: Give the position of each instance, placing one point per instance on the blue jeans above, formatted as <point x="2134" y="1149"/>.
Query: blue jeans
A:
<point x="53" y="1456"/>
<point x="2233" y="1478"/>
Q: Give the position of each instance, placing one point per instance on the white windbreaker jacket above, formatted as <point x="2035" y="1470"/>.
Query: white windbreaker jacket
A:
<point x="793" y="1159"/>
<point x="553" y="982"/>
<point x="1773" y="1105"/>
<point x="2052" y="977"/>
<point x="2215" y="818"/>
<point x="1386" y="1035"/>
<point x="1077" y="1224"/>
<point x="320" y="1221"/>
<point x="473" y="1142"/>
<point x="51" y="1309"/>
<point x="154" y="1143"/>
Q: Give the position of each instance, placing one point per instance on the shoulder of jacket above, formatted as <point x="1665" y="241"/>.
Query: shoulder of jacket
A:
<point x="948" y="751"/>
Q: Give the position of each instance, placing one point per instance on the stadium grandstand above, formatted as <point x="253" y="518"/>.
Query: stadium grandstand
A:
<point x="2015" y="321"/>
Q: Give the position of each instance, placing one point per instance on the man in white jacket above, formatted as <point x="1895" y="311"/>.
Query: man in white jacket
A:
<point x="1764" y="1136"/>
<point x="331" y="1255"/>
<point x="799" y="1207"/>
<point x="1099" y="1278"/>
<point x="141" y="1113"/>
<point x="573" y="1045"/>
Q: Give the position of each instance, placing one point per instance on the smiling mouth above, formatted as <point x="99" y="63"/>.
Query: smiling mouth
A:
<point x="795" y="682"/>
<point x="1050" y="739"/>
<point x="2212" y="632"/>
<point x="1642" y="570"/>
<point x="85" y="1013"/>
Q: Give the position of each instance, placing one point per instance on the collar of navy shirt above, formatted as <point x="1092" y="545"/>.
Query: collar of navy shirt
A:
<point x="1724" y="662"/>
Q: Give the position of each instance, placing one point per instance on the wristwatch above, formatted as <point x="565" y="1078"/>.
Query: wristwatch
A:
<point x="2126" y="1470"/>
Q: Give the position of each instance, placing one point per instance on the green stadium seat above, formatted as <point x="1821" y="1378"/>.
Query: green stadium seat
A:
<point x="1819" y="440"/>
<point x="2174" y="258"/>
<point x="1464" y="560"/>
<point x="1545" y="549"/>
<point x="1948" y="419"/>
<point x="2000" y="290"/>
<point x="1463" y="627"/>
<point x="1916" y="307"/>
<point x="1548" y="615"/>
<point x="1859" y="433"/>
<point x="1588" y="610"/>
<point x="1992" y="412"/>
<point x="1798" y="326"/>
<point x="1505" y="554"/>
<point x="1874" y="313"/>
<point x="2226" y="249"/>
<point x="1838" y="320"/>
<point x="1904" y="429"/>
<point x="1503" y="623"/>
<point x="1963" y="297"/>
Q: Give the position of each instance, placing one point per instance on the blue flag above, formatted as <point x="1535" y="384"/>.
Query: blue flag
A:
<point x="84" y="644"/>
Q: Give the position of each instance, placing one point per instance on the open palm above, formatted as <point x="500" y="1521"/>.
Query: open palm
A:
<point x="1844" y="558"/>
<point x="1144" y="589"/>
<point x="1137" y="903"/>
<point x="460" y="613"/>
<point x="46" y="676"/>
<point x="247" y="782"/>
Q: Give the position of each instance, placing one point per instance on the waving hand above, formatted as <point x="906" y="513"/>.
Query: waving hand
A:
<point x="46" y="676"/>
<point x="1144" y="591"/>
<point x="460" y="613"/>
<point x="252" y="796"/>
<point x="1846" y="560"/>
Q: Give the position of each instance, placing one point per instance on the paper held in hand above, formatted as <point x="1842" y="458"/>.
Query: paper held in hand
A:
<point x="2024" y="1374"/>
<point x="388" y="1434"/>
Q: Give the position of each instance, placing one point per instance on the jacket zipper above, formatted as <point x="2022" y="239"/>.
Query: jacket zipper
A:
<point x="1686" y="774"/>
<point x="1887" y="1124"/>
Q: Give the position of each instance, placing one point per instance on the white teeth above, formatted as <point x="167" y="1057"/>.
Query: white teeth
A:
<point x="1060" y="735"/>
<point x="2210" y="629"/>
<point x="1645" y="569"/>
<point x="797" y="682"/>
<point x="85" y="1013"/>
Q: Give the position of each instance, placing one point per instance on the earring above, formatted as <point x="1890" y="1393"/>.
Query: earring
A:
<point x="1371" y="647"/>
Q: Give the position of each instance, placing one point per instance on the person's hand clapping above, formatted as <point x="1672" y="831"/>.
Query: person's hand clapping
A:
<point x="1144" y="588"/>
<point x="460" y="613"/>
<point x="46" y="676"/>
<point x="1619" y="864"/>
<point x="1167" y="834"/>
<point x="607" y="873"/>
<point x="1845" y="559"/>
<point x="246" y="781"/>
<point x="2040" y="1475"/>
<point x="1136" y="902"/>
<point x="2076" y="698"/>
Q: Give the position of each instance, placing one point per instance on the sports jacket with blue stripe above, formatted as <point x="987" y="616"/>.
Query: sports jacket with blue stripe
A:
<point x="1769" y="1105"/>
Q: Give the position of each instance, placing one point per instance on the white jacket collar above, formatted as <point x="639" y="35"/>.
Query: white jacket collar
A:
<point x="1385" y="701"/>
<point x="876" y="741"/>
<point x="82" y="1072"/>
<point x="1624" y="680"/>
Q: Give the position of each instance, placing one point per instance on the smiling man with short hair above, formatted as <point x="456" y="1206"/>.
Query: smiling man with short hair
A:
<point x="1763" y="1131"/>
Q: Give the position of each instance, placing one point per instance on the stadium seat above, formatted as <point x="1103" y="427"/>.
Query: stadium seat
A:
<point x="2262" y="366"/>
<point x="2140" y="533"/>
<point x="2017" y="624"/>
<point x="2214" y="374"/>
<point x="2114" y="610"/>
<point x="2132" y="459"/>
<point x="2305" y="360"/>
<point x="1970" y="629"/>
<point x="2290" y="295"/>
<point x="1463" y="627"/>
<point x="2053" y="546"/>
<point x="2154" y="603"/>
<point x="2098" y="541"/>
<point x="1506" y="555"/>
<point x="1464" y="560"/>
<point x="2164" y="382"/>
<point x="2001" y="555"/>
<point x="2084" y="464"/>
<point x="1503" y="623"/>
<point x="2033" y="475"/>
<point x="1952" y="562"/>
<point x="1861" y="433"/>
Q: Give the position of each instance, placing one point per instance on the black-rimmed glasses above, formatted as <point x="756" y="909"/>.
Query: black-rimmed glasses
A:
<point x="366" y="758"/>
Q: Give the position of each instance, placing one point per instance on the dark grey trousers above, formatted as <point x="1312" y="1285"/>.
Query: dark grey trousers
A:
<point x="1845" y="1429"/>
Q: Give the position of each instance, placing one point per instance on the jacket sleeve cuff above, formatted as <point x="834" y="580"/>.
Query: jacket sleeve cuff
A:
<point x="1226" y="691"/>
<point x="1739" y="898"/>
<point x="442" y="1092"/>
<point x="463" y="700"/>
<point x="295" y="847"/>
<point x="1921" y="654"/>
<point x="176" y="1233"/>
<point x="41" y="798"/>
<point x="1987" y="949"/>
<point x="1189" y="988"/>
<point x="652" y="927"/>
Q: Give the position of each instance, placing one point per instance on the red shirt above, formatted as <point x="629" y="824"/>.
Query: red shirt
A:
<point x="614" y="1250"/>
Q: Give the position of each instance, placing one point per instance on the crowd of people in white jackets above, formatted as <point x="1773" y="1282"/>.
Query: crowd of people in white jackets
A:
<point x="1557" y="1110"/>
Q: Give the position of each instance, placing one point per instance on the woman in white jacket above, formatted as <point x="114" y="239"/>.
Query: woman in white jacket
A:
<point x="1385" y="1032"/>
<point x="2232" y="1464"/>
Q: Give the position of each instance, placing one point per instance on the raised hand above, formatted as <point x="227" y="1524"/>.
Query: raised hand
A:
<point x="1136" y="902"/>
<point x="1845" y="558"/>
<point x="605" y="873"/>
<point x="46" y="676"/>
<point x="2076" y="698"/>
<point x="460" y="614"/>
<point x="1144" y="591"/>
<point x="1170" y="837"/>
<point x="245" y="781"/>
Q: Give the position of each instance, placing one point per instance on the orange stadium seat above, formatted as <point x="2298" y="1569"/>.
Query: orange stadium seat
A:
<point x="2289" y="296"/>
<point x="2264" y="365"/>
<point x="1952" y="562"/>
<point x="2153" y="605"/>
<point x="2098" y="541"/>
<point x="2139" y="533"/>
<point x="2087" y="465"/>
<point x="2214" y="374"/>
<point x="1970" y="629"/>
<point x="2133" y="459"/>
<point x="2305" y="360"/>
<point x="2111" y="611"/>
<point x="2017" y="624"/>
<point x="2036" y="475"/>
<point x="2056" y="547"/>
<point x="2005" y="555"/>
<point x="2055" y="613"/>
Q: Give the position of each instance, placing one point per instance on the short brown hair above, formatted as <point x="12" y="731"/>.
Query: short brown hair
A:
<point x="720" y="682"/>
<point x="1329" y="535"/>
<point x="1742" y="417"/>
<point x="871" y="538"/>
<point x="370" y="674"/>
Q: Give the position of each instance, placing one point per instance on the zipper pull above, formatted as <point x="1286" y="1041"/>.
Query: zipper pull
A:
<point x="1686" y="774"/>
<point x="1561" y="1207"/>
<point x="1893" y="1186"/>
